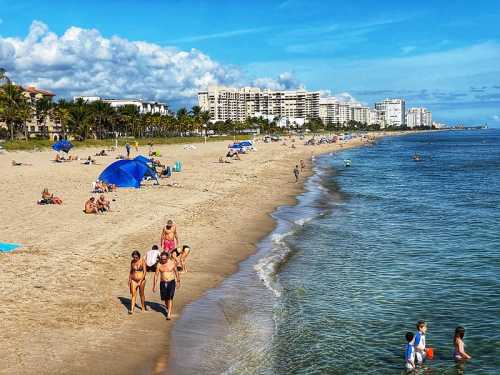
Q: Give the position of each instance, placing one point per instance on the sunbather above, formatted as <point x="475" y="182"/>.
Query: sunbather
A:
<point x="103" y="204"/>
<point x="89" y="161"/>
<point x="48" y="198"/>
<point x="91" y="206"/>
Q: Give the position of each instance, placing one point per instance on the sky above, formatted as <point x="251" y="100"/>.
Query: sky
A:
<point x="444" y="55"/>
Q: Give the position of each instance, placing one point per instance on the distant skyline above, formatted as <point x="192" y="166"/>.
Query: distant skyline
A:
<point x="432" y="53"/>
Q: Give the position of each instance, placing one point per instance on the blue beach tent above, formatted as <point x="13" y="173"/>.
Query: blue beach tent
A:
<point x="126" y="173"/>
<point x="143" y="159"/>
<point x="62" y="145"/>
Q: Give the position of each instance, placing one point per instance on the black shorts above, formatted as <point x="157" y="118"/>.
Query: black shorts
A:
<point x="152" y="268"/>
<point x="167" y="290"/>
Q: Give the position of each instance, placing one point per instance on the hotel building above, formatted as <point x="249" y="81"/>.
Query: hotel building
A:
<point x="418" y="117"/>
<point x="333" y="111"/>
<point x="143" y="106"/>
<point x="238" y="104"/>
<point x="391" y="112"/>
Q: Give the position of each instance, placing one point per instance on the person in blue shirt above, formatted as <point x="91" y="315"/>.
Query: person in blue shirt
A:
<point x="409" y="352"/>
<point x="419" y="342"/>
<point x="127" y="147"/>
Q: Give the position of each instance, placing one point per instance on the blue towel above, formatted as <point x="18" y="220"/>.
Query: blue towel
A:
<point x="8" y="247"/>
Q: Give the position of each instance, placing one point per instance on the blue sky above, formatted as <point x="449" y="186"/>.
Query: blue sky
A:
<point x="440" y="54"/>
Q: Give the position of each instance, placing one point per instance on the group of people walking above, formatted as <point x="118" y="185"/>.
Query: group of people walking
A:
<point x="416" y="350"/>
<point x="167" y="266"/>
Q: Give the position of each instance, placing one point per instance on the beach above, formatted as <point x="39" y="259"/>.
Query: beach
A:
<point x="65" y="295"/>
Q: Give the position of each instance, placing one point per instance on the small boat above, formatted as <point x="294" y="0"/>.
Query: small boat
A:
<point x="347" y="162"/>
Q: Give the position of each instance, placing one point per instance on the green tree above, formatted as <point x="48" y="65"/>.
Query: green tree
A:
<point x="12" y="100"/>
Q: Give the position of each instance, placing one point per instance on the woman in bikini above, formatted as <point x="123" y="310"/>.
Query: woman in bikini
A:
<point x="137" y="280"/>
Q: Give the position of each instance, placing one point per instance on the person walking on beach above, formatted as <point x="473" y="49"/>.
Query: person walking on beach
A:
<point x="127" y="148"/>
<point x="296" y="173"/>
<point x="137" y="280"/>
<point x="419" y="342"/>
<point x="136" y="145"/>
<point x="169" y="237"/>
<point x="409" y="352"/>
<point x="302" y="165"/>
<point x="169" y="280"/>
<point x="459" y="354"/>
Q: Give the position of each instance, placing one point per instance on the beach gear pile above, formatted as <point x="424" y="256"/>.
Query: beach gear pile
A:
<point x="242" y="147"/>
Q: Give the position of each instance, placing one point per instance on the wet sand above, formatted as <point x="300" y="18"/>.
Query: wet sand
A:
<point x="65" y="295"/>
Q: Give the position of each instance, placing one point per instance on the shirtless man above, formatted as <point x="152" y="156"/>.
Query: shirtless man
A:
<point x="91" y="206"/>
<point x="169" y="238"/>
<point x="103" y="204"/>
<point x="169" y="279"/>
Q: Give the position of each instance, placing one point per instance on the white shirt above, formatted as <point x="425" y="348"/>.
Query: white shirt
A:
<point x="152" y="257"/>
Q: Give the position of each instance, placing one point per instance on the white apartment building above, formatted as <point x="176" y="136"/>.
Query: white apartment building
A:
<point x="334" y="112"/>
<point x="418" y="117"/>
<point x="391" y="112"/>
<point x="143" y="106"/>
<point x="238" y="104"/>
<point x="373" y="117"/>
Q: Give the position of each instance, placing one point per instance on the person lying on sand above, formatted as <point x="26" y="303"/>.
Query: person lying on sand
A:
<point x="48" y="198"/>
<point x="91" y="206"/>
<point x="221" y="160"/>
<point x="89" y="161"/>
<point x="103" y="205"/>
<point x="169" y="280"/>
<point x="101" y="153"/>
<point x="59" y="159"/>
<point x="137" y="280"/>
<point x="16" y="164"/>
<point x="233" y="155"/>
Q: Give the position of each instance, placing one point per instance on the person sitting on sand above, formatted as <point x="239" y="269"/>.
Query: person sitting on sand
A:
<point x="103" y="204"/>
<point x="91" y="206"/>
<point x="137" y="280"/>
<point x="101" y="153"/>
<point x="16" y="164"/>
<point x="169" y="237"/>
<point x="59" y="159"/>
<point x="181" y="258"/>
<point x="89" y="161"/>
<point x="169" y="280"/>
<point x="48" y="198"/>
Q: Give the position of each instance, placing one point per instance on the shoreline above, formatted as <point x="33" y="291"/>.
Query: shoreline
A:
<point x="212" y="223"/>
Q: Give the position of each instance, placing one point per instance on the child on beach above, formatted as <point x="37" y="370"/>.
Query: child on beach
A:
<point x="419" y="342"/>
<point x="409" y="352"/>
<point x="459" y="354"/>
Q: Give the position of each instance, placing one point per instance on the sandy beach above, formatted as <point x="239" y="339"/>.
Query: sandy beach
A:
<point x="65" y="295"/>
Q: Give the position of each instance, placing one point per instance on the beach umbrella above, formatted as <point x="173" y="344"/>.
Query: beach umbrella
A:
<point x="143" y="159"/>
<point x="62" y="145"/>
<point x="126" y="173"/>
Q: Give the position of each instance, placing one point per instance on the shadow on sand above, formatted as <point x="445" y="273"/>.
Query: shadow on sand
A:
<point x="154" y="306"/>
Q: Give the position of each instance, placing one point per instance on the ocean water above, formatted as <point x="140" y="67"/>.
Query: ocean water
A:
<point x="368" y="250"/>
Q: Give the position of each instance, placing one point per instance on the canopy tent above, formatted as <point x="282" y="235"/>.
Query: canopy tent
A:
<point x="143" y="159"/>
<point x="62" y="145"/>
<point x="126" y="173"/>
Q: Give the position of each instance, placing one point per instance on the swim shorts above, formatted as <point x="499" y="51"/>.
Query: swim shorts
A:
<point x="167" y="290"/>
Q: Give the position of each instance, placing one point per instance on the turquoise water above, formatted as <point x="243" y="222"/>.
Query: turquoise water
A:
<point x="8" y="247"/>
<point x="367" y="252"/>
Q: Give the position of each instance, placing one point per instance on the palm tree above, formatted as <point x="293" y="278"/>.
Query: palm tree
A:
<point x="60" y="114"/>
<point x="103" y="114"/>
<point x="42" y="110"/>
<point x="79" y="119"/>
<point x="12" y="100"/>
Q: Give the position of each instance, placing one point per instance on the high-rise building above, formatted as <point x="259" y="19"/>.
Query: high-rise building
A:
<point x="418" y="117"/>
<point x="360" y="113"/>
<point x="238" y="104"/>
<point x="329" y="110"/>
<point x="333" y="111"/>
<point x="391" y="112"/>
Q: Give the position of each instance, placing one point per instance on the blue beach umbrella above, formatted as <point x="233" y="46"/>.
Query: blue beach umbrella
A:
<point x="126" y="173"/>
<point x="62" y="145"/>
<point x="143" y="159"/>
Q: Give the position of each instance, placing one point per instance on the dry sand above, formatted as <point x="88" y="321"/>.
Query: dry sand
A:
<point x="64" y="293"/>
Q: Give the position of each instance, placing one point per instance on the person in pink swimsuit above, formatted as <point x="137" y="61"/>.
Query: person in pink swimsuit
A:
<point x="169" y="238"/>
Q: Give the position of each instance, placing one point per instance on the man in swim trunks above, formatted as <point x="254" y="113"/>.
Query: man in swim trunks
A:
<point x="169" y="238"/>
<point x="169" y="280"/>
<point x="91" y="206"/>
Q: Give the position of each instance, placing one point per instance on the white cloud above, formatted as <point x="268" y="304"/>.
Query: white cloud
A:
<point x="224" y="34"/>
<point x="83" y="62"/>
<point x="285" y="81"/>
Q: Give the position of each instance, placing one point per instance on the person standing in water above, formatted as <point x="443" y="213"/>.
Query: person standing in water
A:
<point x="169" y="237"/>
<point x="419" y="342"/>
<point x="296" y="173"/>
<point x="137" y="280"/>
<point x="409" y="352"/>
<point x="459" y="354"/>
<point x="169" y="280"/>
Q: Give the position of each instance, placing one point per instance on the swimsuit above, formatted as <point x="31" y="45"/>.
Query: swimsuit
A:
<point x="167" y="289"/>
<point x="420" y="353"/>
<point x="168" y="245"/>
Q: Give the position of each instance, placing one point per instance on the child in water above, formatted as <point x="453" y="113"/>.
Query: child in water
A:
<point x="419" y="342"/>
<point x="459" y="353"/>
<point x="409" y="352"/>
